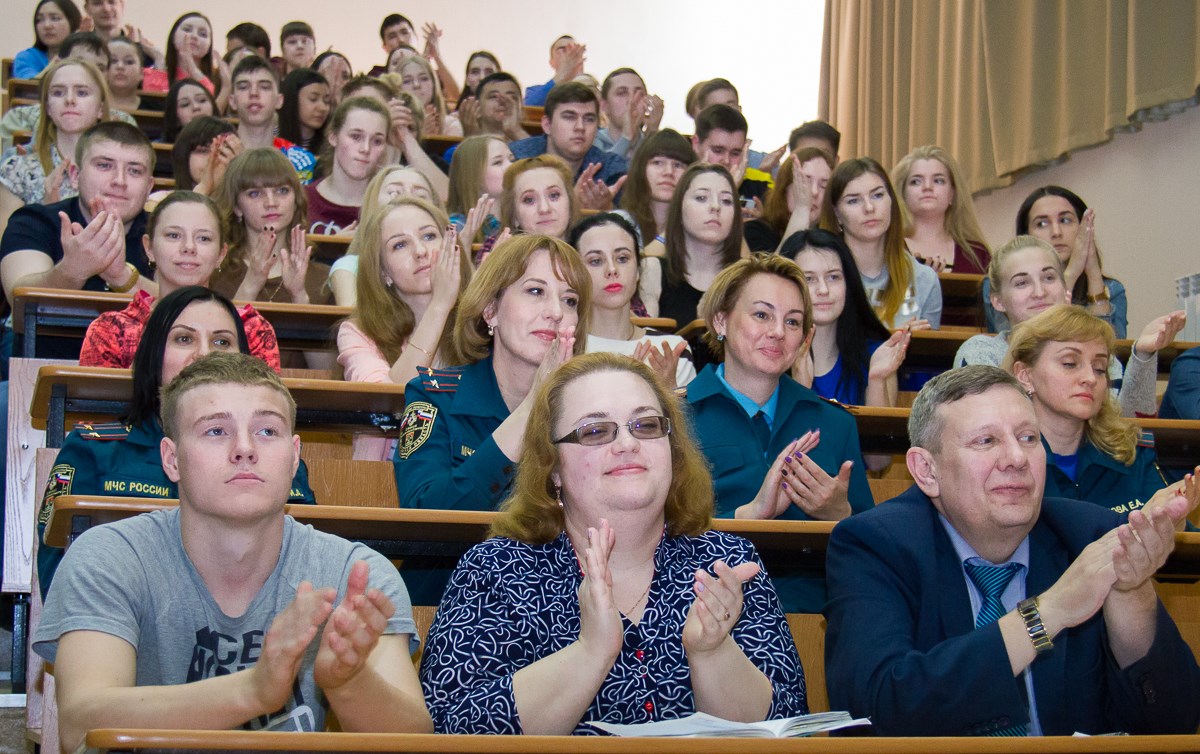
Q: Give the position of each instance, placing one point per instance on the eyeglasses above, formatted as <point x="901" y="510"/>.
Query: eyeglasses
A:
<point x="602" y="433"/>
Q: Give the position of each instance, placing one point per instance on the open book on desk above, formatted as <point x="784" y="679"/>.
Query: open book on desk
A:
<point x="700" y="724"/>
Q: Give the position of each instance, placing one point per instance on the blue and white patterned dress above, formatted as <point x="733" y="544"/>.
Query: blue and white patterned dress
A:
<point x="510" y="604"/>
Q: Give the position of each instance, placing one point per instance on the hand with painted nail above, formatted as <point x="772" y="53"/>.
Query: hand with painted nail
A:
<point x="717" y="607"/>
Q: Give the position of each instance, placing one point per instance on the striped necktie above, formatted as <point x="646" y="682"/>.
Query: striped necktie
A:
<point x="991" y="581"/>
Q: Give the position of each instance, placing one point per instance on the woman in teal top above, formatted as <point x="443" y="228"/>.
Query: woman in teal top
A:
<point x="121" y="459"/>
<point x="777" y="449"/>
<point x="1061" y="356"/>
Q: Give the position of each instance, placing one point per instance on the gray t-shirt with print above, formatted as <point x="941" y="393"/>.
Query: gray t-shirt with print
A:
<point x="133" y="580"/>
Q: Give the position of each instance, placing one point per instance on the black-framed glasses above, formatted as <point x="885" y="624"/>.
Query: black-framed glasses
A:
<point x="602" y="433"/>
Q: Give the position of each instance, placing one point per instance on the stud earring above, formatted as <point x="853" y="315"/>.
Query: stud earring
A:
<point x="720" y="338"/>
<point x="491" y="330"/>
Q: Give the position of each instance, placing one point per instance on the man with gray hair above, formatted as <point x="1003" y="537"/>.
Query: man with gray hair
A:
<point x="970" y="605"/>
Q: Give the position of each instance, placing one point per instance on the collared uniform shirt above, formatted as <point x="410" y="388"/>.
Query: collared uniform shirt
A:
<point x="446" y="457"/>
<point x="725" y="432"/>
<point x="1103" y="480"/>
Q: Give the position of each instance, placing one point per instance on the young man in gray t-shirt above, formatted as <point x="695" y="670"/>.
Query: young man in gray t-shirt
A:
<point x="225" y="612"/>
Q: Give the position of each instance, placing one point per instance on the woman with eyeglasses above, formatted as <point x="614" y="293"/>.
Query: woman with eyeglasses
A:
<point x="604" y="594"/>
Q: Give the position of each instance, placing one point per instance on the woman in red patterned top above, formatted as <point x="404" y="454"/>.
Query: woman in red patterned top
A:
<point x="185" y="244"/>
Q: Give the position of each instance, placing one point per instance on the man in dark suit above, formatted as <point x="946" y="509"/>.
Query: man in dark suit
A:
<point x="971" y="606"/>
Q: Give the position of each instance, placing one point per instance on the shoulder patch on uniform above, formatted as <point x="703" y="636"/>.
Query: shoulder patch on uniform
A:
<point x="58" y="485"/>
<point x="1145" y="439"/>
<point x="103" y="430"/>
<point x="415" y="427"/>
<point x="440" y="380"/>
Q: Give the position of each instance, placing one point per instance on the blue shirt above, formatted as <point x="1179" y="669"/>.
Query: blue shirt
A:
<point x="612" y="166"/>
<point x="748" y="405"/>
<point x="535" y="96"/>
<point x="510" y="604"/>
<point x="1013" y="594"/>
<point x="28" y="63"/>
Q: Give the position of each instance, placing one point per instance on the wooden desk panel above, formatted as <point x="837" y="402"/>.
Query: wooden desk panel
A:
<point x="177" y="740"/>
<point x="58" y="312"/>
<point x="328" y="405"/>
<point x="398" y="532"/>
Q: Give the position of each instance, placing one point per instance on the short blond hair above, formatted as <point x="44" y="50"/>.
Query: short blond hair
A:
<point x="532" y="513"/>
<point x="727" y="286"/>
<point x="221" y="369"/>
<point x="503" y="267"/>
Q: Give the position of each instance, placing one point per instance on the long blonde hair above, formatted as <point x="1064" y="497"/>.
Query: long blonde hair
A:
<point x="1064" y="323"/>
<point x="960" y="221"/>
<point x="379" y="311"/>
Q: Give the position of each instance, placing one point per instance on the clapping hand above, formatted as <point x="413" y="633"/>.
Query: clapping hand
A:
<point x="1082" y="250"/>
<point x="664" y="362"/>
<point x="772" y="500"/>
<point x="717" y="607"/>
<point x="803" y="369"/>
<point x="594" y="193"/>
<point x="476" y="216"/>
<point x="95" y="249"/>
<point x="772" y="159"/>
<point x="285" y="643"/>
<point x="352" y="631"/>
<point x="55" y="180"/>
<point x="889" y="357"/>
<point x="600" y="629"/>
<point x="294" y="258"/>
<point x="1160" y="333"/>
<point x="447" y="271"/>
<point x="821" y="496"/>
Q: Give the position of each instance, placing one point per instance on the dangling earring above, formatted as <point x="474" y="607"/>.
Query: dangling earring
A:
<point x="150" y="264"/>
<point x="558" y="495"/>
<point x="491" y="330"/>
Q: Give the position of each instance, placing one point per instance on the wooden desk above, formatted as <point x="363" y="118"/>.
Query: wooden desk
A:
<point x="55" y="311"/>
<point x="327" y="405"/>
<point x="885" y="430"/>
<point x="329" y="249"/>
<point x="179" y="740"/>
<point x="407" y="532"/>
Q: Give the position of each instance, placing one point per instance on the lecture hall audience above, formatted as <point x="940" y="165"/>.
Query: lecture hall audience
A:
<point x="507" y="320"/>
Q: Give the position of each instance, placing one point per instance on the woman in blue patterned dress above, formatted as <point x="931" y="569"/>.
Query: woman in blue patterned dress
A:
<point x="604" y="594"/>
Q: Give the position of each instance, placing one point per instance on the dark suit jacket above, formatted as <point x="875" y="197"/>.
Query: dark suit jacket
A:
<point x="901" y="647"/>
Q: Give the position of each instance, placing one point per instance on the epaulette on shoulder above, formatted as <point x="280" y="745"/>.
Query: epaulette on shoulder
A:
<point x="1145" y="439"/>
<point x="837" y="403"/>
<point x="103" y="430"/>
<point x="440" y="380"/>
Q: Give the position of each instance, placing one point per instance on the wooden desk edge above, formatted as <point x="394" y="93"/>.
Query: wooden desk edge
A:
<point x="454" y="744"/>
<point x="57" y="374"/>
